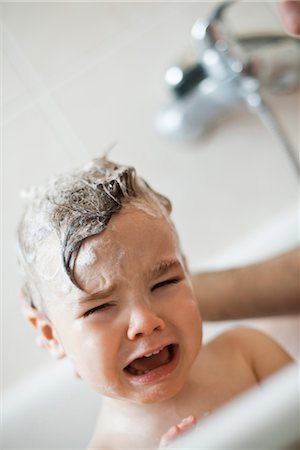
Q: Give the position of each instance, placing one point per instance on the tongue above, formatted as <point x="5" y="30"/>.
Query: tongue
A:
<point x="152" y="362"/>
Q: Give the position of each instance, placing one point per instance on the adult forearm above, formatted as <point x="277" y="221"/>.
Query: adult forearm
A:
<point x="265" y="289"/>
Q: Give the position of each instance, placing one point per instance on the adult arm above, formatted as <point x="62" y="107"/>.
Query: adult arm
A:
<point x="269" y="288"/>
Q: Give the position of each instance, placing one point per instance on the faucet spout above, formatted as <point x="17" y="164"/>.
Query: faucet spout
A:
<point x="228" y="72"/>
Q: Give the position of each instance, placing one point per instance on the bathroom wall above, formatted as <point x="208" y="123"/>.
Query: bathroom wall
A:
<point x="77" y="77"/>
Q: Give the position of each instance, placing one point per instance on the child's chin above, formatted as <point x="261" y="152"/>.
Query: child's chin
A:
<point x="158" y="394"/>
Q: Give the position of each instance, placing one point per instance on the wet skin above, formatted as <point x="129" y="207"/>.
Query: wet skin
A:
<point x="137" y="299"/>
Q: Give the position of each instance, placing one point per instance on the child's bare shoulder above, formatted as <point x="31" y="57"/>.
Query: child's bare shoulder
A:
<point x="260" y="351"/>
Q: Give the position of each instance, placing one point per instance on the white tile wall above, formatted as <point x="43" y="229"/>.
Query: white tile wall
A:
<point x="77" y="77"/>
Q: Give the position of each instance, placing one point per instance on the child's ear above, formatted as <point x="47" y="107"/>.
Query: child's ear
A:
<point x="46" y="334"/>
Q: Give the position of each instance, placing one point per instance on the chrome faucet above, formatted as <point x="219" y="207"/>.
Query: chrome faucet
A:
<point x="229" y="71"/>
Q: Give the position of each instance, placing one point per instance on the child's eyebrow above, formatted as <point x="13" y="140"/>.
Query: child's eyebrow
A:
<point x="99" y="295"/>
<point x="157" y="271"/>
<point x="163" y="267"/>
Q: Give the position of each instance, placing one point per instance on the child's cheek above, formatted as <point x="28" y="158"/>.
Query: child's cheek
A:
<point x="193" y="317"/>
<point x="90" y="358"/>
<point x="188" y="301"/>
<point x="190" y="314"/>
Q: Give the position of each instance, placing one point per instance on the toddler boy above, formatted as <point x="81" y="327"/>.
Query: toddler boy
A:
<point x="107" y="286"/>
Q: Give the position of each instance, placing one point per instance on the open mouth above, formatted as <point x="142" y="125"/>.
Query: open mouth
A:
<point x="153" y="366"/>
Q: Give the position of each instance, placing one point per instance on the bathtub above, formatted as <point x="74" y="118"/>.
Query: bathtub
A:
<point x="53" y="410"/>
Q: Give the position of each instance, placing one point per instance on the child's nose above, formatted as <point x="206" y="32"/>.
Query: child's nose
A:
<point x="143" y="321"/>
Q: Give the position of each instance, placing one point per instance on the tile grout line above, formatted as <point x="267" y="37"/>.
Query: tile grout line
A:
<point x="49" y="108"/>
<point x="93" y="60"/>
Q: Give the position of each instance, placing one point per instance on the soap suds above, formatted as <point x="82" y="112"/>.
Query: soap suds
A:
<point x="86" y="257"/>
<point x="151" y="207"/>
<point x="75" y="206"/>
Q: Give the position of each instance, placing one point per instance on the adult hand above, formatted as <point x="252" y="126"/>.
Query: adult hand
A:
<point x="289" y="11"/>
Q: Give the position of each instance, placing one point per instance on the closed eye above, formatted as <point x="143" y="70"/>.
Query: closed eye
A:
<point x="166" y="282"/>
<point x="97" y="308"/>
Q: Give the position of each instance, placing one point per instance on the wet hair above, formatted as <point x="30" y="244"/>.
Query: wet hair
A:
<point x="73" y="207"/>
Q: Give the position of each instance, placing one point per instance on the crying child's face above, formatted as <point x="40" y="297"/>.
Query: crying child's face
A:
<point x="134" y="330"/>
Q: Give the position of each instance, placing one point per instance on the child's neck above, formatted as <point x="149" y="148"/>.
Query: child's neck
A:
<point x="131" y="423"/>
<point x="174" y="409"/>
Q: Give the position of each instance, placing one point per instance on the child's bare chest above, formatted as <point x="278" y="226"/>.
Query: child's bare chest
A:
<point x="202" y="401"/>
<point x="213" y="384"/>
